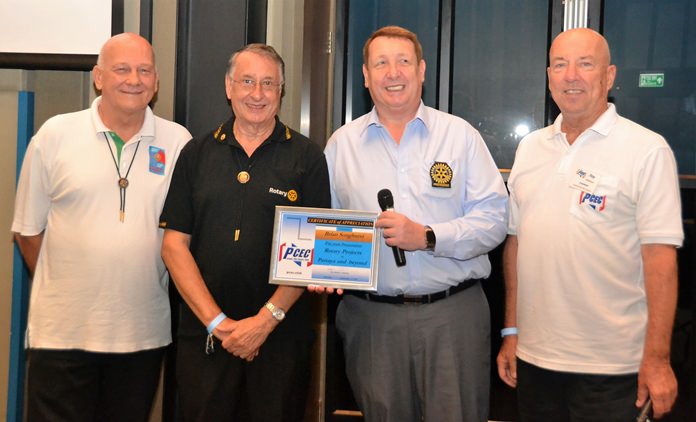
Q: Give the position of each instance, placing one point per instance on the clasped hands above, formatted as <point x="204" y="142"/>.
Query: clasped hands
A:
<point x="243" y="338"/>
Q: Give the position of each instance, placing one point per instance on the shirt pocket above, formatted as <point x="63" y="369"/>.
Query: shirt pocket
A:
<point x="598" y="207"/>
<point x="440" y="179"/>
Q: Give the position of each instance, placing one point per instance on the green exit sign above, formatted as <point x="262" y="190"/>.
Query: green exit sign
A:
<point x="651" y="80"/>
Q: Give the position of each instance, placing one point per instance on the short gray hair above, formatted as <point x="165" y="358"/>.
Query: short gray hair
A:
<point x="262" y="50"/>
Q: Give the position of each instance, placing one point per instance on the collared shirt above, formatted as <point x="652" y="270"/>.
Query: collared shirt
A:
<point x="231" y="223"/>
<point x="441" y="174"/>
<point x="581" y="303"/>
<point x="100" y="284"/>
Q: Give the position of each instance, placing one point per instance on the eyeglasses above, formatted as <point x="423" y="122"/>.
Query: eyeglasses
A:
<point x="267" y="85"/>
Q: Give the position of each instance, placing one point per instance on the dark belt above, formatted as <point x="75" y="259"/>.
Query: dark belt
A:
<point x="415" y="299"/>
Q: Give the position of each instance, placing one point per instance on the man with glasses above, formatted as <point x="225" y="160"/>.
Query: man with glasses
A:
<point x="239" y="356"/>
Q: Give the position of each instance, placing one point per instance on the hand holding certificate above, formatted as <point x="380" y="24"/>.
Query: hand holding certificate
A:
<point x="323" y="247"/>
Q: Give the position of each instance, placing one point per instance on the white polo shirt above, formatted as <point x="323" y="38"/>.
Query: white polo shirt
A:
<point x="100" y="284"/>
<point x="581" y="303"/>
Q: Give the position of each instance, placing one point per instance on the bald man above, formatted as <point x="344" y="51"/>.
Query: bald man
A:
<point x="91" y="189"/>
<point x="590" y="259"/>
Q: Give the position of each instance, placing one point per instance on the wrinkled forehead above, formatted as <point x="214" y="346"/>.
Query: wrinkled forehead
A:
<point x="250" y="63"/>
<point x="391" y="44"/>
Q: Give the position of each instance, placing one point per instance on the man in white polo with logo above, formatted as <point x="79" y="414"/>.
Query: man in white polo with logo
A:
<point x="590" y="259"/>
<point x="86" y="220"/>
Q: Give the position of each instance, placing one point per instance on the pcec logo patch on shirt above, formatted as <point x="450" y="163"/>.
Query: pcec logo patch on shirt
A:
<point x="596" y="202"/>
<point x="158" y="160"/>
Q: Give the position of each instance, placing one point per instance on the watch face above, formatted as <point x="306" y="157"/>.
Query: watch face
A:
<point x="278" y="314"/>
<point x="430" y="238"/>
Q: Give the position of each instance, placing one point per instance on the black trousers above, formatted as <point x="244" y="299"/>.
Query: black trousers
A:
<point x="544" y="395"/>
<point x="221" y="387"/>
<point x="76" y="386"/>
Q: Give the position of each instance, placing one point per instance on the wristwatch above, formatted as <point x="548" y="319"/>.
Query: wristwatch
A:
<point x="278" y="313"/>
<point x="429" y="239"/>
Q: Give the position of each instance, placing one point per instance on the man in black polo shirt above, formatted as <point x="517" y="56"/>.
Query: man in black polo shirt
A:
<point x="252" y="363"/>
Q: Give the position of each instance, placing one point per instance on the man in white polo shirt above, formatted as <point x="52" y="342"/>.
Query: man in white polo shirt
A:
<point x="590" y="260"/>
<point x="91" y="189"/>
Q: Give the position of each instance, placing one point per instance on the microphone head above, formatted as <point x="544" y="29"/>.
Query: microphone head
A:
<point x="385" y="199"/>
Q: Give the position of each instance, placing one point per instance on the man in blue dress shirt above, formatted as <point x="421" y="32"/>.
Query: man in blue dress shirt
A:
<point x="419" y="349"/>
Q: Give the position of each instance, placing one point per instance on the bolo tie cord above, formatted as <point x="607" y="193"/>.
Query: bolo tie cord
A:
<point x="122" y="180"/>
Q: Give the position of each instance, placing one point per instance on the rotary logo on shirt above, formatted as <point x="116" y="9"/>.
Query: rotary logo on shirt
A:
<point x="292" y="194"/>
<point x="441" y="175"/>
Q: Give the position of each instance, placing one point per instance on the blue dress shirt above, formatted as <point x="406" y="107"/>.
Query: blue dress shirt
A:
<point x="468" y="213"/>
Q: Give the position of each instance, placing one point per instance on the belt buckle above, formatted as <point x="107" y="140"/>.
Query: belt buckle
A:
<point x="413" y="299"/>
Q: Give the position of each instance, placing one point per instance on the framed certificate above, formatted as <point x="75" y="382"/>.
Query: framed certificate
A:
<point x="325" y="247"/>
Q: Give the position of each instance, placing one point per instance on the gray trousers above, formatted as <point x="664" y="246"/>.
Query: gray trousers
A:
<point x="418" y="362"/>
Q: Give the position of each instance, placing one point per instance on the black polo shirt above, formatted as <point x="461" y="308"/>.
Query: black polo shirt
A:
<point x="207" y="201"/>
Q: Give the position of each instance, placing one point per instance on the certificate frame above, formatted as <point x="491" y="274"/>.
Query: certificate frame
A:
<point x="325" y="247"/>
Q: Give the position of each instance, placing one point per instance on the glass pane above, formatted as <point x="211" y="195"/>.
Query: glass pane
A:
<point x="499" y="70"/>
<point x="653" y="44"/>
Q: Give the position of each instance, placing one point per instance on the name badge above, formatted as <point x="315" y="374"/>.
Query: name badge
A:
<point x="585" y="181"/>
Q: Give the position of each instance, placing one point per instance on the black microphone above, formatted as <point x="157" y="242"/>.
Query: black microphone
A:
<point x="386" y="203"/>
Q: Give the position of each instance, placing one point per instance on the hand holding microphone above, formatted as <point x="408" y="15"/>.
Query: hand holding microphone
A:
<point x="386" y="203"/>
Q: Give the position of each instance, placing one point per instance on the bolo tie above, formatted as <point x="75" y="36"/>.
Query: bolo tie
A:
<point x="122" y="180"/>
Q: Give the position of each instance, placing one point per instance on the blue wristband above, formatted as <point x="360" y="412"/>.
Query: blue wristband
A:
<point x="215" y="322"/>
<point x="510" y="331"/>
